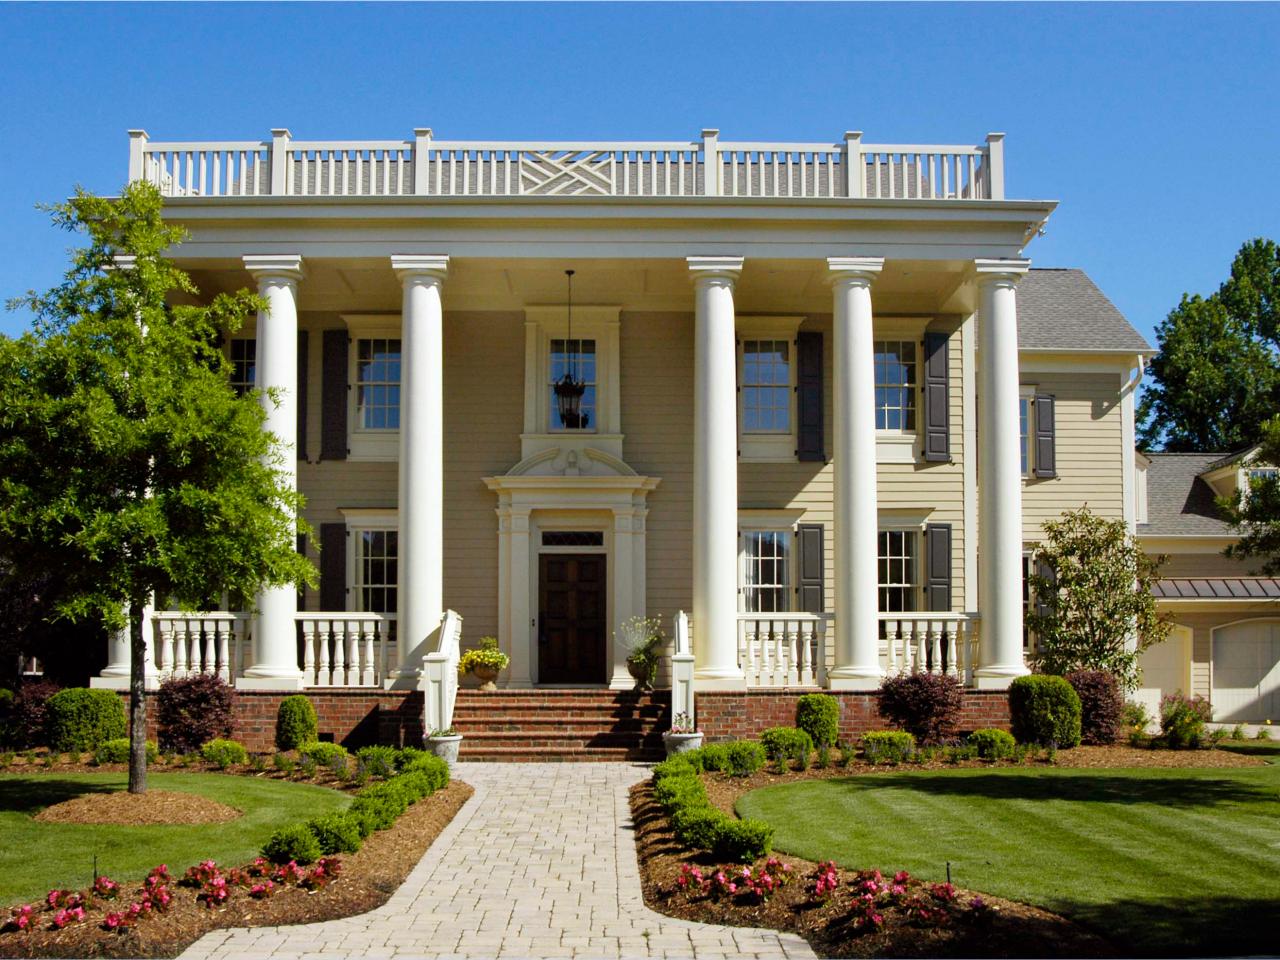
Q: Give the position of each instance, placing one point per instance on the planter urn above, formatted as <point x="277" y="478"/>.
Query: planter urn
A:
<point x="486" y="676"/>
<point x="639" y="670"/>
<point x="681" y="742"/>
<point x="445" y="747"/>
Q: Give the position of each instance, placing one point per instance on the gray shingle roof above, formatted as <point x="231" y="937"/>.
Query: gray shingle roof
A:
<point x="1179" y="502"/>
<point x="1062" y="309"/>
<point x="1217" y="588"/>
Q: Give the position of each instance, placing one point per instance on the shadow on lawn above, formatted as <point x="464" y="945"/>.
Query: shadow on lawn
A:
<point x="1166" y="791"/>
<point x="1213" y="926"/>
<point x="1265" y="749"/>
<point x="33" y="794"/>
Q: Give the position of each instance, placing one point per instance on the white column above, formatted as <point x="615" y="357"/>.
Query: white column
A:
<point x="857" y="638"/>
<point x="421" y="560"/>
<point x="275" y="659"/>
<point x="1000" y="475"/>
<point x="715" y="475"/>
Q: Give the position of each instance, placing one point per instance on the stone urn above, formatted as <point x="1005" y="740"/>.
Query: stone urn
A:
<point x="639" y="670"/>
<point x="681" y="742"/>
<point x="486" y="676"/>
<point x="445" y="746"/>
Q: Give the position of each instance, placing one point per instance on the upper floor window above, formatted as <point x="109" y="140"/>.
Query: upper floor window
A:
<point x="242" y="352"/>
<point x="576" y="357"/>
<point x="1262" y="474"/>
<point x="1026" y="410"/>
<point x="766" y="386"/>
<point x="377" y="383"/>
<point x="766" y="584"/>
<point x="895" y="366"/>
<point x="899" y="570"/>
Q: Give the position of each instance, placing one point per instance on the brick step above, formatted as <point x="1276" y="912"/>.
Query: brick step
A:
<point x="525" y="754"/>
<point x="493" y="700"/>
<point x="603" y="724"/>
<point x="560" y="736"/>
<point x="603" y="715"/>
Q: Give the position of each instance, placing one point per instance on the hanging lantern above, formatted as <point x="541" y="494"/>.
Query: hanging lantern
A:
<point x="569" y="389"/>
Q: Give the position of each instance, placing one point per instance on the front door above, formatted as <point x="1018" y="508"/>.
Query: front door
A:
<point x="571" y="618"/>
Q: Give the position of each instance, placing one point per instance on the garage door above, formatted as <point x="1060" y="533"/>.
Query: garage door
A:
<point x="1246" y="672"/>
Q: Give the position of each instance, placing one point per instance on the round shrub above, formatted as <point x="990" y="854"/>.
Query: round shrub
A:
<point x="742" y="840"/>
<point x="1044" y="709"/>
<point x="1182" y="719"/>
<point x="26" y="727"/>
<point x="117" y="751"/>
<point x="380" y="761"/>
<point x="888" y="746"/>
<point x="80" y="719"/>
<point x="743" y="757"/>
<point x="434" y="768"/>
<point x="818" y="715"/>
<point x="295" y="842"/>
<point x="714" y="756"/>
<point x="787" y="743"/>
<point x="415" y="786"/>
<point x="336" y="833"/>
<point x="192" y="711"/>
<point x="926" y="705"/>
<point x="323" y="753"/>
<point x="295" y="722"/>
<point x="696" y="826"/>
<point x="224" y="753"/>
<point x="992" y="744"/>
<point x="1101" y="705"/>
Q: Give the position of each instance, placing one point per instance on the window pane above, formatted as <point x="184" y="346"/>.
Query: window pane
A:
<point x="897" y="569"/>
<point x="577" y="357"/>
<point x="895" y="371"/>
<point x="766" y="386"/>
<point x="243" y="353"/>
<point x="378" y="380"/>
<point x="1024" y="432"/>
<point x="767" y="574"/>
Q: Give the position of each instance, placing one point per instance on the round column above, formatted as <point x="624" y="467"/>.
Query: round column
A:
<point x="715" y="475"/>
<point x="275" y="663"/>
<point x="420" y="590"/>
<point x="1000" y="476"/>
<point x="857" y="636"/>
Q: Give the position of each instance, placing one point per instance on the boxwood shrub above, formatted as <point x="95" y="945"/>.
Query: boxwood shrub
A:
<point x="787" y="743"/>
<point x="336" y="833"/>
<point x="743" y="757"/>
<point x="117" y="751"/>
<point x="742" y="840"/>
<point x="818" y="714"/>
<point x="1044" y="709"/>
<point x="224" y="753"/>
<point x="295" y="842"/>
<point x="295" y="722"/>
<point x="888" y="746"/>
<point x="380" y="761"/>
<point x="698" y="824"/>
<point x="80" y="719"/>
<point x="714" y="756"/>
<point x="431" y="766"/>
<point x="323" y="753"/>
<point x="992" y="744"/>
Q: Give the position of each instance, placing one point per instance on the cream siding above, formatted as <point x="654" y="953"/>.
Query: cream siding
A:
<point x="1206" y="565"/>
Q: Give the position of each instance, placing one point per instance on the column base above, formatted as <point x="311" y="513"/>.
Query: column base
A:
<point x="621" y="680"/>
<point x="292" y="683"/>
<point x="998" y="677"/>
<point x="855" y="678"/>
<point x="714" y="679"/>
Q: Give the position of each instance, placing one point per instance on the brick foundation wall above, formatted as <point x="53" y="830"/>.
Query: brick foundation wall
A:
<point x="353" y="718"/>
<point x="734" y="715"/>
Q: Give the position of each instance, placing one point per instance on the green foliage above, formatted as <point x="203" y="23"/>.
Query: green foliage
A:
<point x="380" y="761"/>
<point x="992" y="744"/>
<point x="888" y="746"/>
<point x="782" y="744"/>
<point x="678" y="766"/>
<point x="117" y="751"/>
<point x="224" y="753"/>
<point x="818" y="714"/>
<point x="485" y="654"/>
<point x="336" y="833"/>
<point x="1100" y="595"/>
<point x="296" y="722"/>
<point x="714" y="756"/>
<point x="641" y="639"/>
<point x="432" y="767"/>
<point x="1182" y="720"/>
<point x="1044" y="710"/>
<point x="80" y="719"/>
<point x="323" y="753"/>
<point x="743" y="757"/>
<point x="1255" y="513"/>
<point x="673" y="792"/>
<point x="295" y="842"/>
<point x="284" y="763"/>
<point x="696" y="825"/>
<point x="742" y="840"/>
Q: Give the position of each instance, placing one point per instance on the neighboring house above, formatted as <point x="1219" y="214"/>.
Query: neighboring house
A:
<point x="817" y="399"/>
<point x="1225" y="643"/>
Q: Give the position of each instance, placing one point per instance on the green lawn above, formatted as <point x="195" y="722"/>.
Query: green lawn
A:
<point x="1161" y="861"/>
<point x="35" y="857"/>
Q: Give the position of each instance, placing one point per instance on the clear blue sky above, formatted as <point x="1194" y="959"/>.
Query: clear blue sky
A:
<point x="1156" y="126"/>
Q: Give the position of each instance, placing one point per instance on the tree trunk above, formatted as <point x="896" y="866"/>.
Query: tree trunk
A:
<point x="137" y="700"/>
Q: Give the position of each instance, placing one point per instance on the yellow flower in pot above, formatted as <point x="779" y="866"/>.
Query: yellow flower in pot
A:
<point x="484" y="662"/>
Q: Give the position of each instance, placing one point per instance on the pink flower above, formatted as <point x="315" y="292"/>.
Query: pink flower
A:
<point x="901" y="877"/>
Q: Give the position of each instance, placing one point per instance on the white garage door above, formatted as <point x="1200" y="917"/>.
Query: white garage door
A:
<point x="1246" y="672"/>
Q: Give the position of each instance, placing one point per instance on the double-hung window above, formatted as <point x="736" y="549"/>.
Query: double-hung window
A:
<point x="242" y="352"/>
<point x="767" y="569"/>
<point x="1026" y="425"/>
<point x="377" y="383"/>
<point x="896" y="379"/>
<point x="377" y="555"/>
<point x="576" y="357"/>
<point x="899" y="571"/>
<point x="767" y="387"/>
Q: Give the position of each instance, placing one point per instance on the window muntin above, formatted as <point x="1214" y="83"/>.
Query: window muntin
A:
<point x="1024" y="432"/>
<point x="898" y="571"/>
<point x="583" y="356"/>
<point x="767" y="574"/>
<point x="377" y="570"/>
<point x="895" y="366"/>
<point x="243" y="355"/>
<point x="766" y="386"/>
<point x="378" y="383"/>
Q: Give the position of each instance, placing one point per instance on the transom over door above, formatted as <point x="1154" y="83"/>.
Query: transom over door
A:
<point x="571" y="618"/>
<point x="1246" y="672"/>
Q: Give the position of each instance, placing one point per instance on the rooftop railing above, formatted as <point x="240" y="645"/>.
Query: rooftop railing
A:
<point x="706" y="167"/>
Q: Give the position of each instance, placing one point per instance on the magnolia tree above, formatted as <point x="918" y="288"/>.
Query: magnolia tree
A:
<point x="1093" y="608"/>
<point x="129" y="466"/>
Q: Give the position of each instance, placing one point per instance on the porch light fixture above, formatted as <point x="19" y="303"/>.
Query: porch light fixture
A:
<point x="569" y="389"/>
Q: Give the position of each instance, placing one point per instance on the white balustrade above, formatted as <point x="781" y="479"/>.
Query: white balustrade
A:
<point x="783" y="649"/>
<point x="346" y="649"/>
<point x="190" y="644"/>
<point x="930" y="643"/>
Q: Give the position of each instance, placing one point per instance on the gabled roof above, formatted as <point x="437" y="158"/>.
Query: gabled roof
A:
<point x="1179" y="502"/>
<point x="1063" y="310"/>
<point x="1231" y="458"/>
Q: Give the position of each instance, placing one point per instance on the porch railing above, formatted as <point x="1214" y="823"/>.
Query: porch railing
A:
<point x="346" y="649"/>
<point x="189" y="644"/>
<point x="705" y="167"/>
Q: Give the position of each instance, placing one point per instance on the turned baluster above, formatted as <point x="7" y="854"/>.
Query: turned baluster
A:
<point x="366" y="671"/>
<point x="324" y="629"/>
<point x="309" y="651"/>
<point x="935" y="647"/>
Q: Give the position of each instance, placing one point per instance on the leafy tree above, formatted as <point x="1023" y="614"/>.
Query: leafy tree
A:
<point x="1216" y="379"/>
<point x="1098" y="598"/>
<point x="1255" y="512"/>
<point x="128" y="465"/>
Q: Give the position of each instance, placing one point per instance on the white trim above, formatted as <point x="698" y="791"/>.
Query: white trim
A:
<point x="358" y="520"/>
<point x="367" y="444"/>
<point x="1027" y="391"/>
<point x="969" y="413"/>
<point x="768" y="446"/>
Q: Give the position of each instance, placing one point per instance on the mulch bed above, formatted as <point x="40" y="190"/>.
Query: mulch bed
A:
<point x="367" y="880"/>
<point x="139" y="809"/>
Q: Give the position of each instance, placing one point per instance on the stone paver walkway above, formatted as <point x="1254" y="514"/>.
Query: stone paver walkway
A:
<point x="540" y="862"/>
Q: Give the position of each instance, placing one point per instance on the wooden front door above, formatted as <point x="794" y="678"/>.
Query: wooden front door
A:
<point x="571" y="618"/>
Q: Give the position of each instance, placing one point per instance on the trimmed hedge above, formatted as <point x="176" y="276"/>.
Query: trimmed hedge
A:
<point x="296" y="722"/>
<point x="323" y="753"/>
<point x="192" y="711"/>
<point x="336" y="833"/>
<point x="743" y="757"/>
<point x="295" y="842"/>
<point x="990" y="744"/>
<point x="818" y="715"/>
<point x="79" y="719"/>
<point x="782" y="744"/>
<point x="1044" y="709"/>
<point x="224" y="753"/>
<point x="1101" y="705"/>
<point x="117" y="751"/>
<point x="379" y="761"/>
<point x="888" y="746"/>
<point x="679" y="790"/>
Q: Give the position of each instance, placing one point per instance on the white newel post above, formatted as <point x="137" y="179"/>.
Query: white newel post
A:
<point x="715" y="475"/>
<point x="421" y="584"/>
<point x="1000" y="475"/>
<point x="275" y="659"/>
<point x="857" y="638"/>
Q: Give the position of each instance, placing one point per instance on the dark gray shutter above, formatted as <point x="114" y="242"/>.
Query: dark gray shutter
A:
<point x="1045" y="571"/>
<point x="1046" y="464"/>
<point x="333" y="567"/>
<point x="810" y="586"/>
<point x="937" y="405"/>
<point x="302" y="396"/>
<point x="937" y="537"/>
<point x="809" y="446"/>
<point x="333" y="396"/>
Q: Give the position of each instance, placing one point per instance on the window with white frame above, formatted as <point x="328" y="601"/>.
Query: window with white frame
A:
<point x="576" y="357"/>
<point x="766" y="388"/>
<point x="899" y="570"/>
<point x="766" y="574"/>
<point x="242" y="352"/>
<point x="1262" y="474"/>
<point x="377" y="381"/>
<point x="376" y="573"/>
<point x="895" y="368"/>
<point x="1026" y="415"/>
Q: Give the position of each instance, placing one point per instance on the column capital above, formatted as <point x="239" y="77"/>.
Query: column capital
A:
<point x="1005" y="271"/>
<point x="274" y="266"/>
<point x="715" y="268"/>
<point x="864" y="269"/>
<point x="412" y="266"/>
